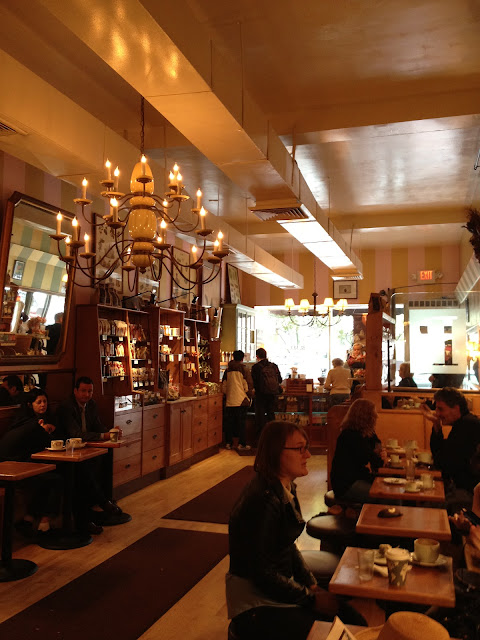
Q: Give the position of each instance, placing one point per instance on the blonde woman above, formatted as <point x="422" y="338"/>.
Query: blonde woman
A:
<point x="358" y="454"/>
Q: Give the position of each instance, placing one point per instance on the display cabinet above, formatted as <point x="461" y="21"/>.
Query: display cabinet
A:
<point x="307" y="410"/>
<point x="167" y="332"/>
<point x="238" y="330"/>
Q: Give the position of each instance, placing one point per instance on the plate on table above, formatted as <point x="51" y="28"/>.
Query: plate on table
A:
<point x="52" y="449"/>
<point x="395" y="481"/>
<point x="441" y="561"/>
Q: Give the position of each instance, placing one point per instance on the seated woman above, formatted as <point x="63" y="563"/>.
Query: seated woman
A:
<point x="338" y="382"/>
<point x="358" y="454"/>
<point x="31" y="433"/>
<point x="406" y="380"/>
<point x="271" y="594"/>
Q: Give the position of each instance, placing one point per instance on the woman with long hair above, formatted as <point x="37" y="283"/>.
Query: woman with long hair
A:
<point x="358" y="454"/>
<point x="31" y="433"/>
<point x="271" y="593"/>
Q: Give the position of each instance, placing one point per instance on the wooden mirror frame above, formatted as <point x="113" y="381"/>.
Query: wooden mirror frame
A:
<point x="7" y="225"/>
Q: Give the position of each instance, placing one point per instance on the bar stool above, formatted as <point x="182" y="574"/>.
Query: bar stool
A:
<point x="334" y="532"/>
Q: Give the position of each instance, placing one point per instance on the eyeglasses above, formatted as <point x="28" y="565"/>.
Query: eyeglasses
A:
<point x="301" y="450"/>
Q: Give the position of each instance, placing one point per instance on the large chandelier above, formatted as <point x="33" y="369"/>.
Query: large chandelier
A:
<point x="138" y="222"/>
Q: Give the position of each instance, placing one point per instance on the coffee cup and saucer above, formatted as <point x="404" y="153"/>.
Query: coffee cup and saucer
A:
<point x="427" y="553"/>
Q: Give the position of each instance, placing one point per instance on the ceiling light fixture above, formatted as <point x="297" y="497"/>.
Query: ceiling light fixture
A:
<point x="139" y="222"/>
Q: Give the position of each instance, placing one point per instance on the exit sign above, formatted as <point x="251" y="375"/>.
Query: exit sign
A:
<point x="426" y="275"/>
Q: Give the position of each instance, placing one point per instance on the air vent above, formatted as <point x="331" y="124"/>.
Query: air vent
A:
<point x="442" y="303"/>
<point x="280" y="213"/>
<point x="7" y="130"/>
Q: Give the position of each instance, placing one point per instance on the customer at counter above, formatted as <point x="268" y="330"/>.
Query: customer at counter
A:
<point x="270" y="591"/>
<point x="358" y="453"/>
<point x="266" y="381"/>
<point x="452" y="455"/>
<point x="338" y="383"/>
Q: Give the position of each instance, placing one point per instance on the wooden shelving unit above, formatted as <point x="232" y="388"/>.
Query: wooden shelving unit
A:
<point x="307" y="410"/>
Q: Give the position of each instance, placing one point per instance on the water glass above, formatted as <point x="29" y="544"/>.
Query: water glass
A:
<point x="410" y="470"/>
<point x="365" y="564"/>
<point x="70" y="446"/>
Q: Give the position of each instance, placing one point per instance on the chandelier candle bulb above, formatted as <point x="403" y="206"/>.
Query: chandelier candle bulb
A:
<point x="203" y="213"/>
<point x="114" y="209"/>
<point x="163" y="231"/>
<point x="179" y="182"/>
<point x="116" y="173"/>
<point x="67" y="247"/>
<point x="87" y="243"/>
<point x="84" y="188"/>
<point x="143" y="160"/>
<point x="59" y="224"/>
<point x="199" y="199"/>
<point x="108" y="164"/>
<point x="220" y="241"/>
<point x="76" y="230"/>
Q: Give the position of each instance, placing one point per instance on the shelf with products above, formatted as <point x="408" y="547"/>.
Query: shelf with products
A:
<point x="308" y="411"/>
<point x="167" y="333"/>
<point x="140" y="345"/>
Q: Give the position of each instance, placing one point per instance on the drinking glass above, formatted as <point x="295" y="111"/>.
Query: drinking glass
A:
<point x="70" y="447"/>
<point x="365" y="564"/>
<point x="410" y="470"/>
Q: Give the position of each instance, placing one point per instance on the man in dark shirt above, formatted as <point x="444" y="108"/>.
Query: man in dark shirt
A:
<point x="452" y="455"/>
<point x="265" y="396"/>
<point x="11" y="391"/>
<point x="54" y="333"/>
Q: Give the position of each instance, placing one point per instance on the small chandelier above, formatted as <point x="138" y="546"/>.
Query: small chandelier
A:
<point x="323" y="316"/>
<point x="139" y="222"/>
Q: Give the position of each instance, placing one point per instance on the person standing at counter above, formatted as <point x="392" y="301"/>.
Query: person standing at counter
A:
<point x="338" y="382"/>
<point x="237" y="386"/>
<point x="54" y="333"/>
<point x="266" y="381"/>
<point x="452" y="455"/>
<point x="358" y="453"/>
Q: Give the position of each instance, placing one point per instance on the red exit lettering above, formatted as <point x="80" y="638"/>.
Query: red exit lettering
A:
<point x="426" y="275"/>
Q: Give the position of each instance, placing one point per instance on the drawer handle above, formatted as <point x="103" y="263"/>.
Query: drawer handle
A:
<point x="155" y="436"/>
<point x="155" y="415"/>
<point x="154" y="457"/>
<point x="127" y="466"/>
<point x="129" y="422"/>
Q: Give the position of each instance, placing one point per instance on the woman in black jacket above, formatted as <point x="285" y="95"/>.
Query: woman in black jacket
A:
<point x="271" y="593"/>
<point x="358" y="454"/>
<point x="29" y="434"/>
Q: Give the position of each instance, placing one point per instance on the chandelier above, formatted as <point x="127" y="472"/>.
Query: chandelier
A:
<point x="323" y="316"/>
<point x="138" y="222"/>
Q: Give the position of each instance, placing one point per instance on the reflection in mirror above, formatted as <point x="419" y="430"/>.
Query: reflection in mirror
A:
<point x="35" y="282"/>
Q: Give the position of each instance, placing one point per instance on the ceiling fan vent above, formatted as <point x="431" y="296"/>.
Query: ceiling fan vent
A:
<point x="279" y="213"/>
<point x="6" y="130"/>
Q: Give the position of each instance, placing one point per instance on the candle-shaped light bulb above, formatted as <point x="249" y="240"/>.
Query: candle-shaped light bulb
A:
<point x="203" y="213"/>
<point x="163" y="232"/>
<point x="194" y="251"/>
<point x="165" y="204"/>
<point x="114" y="209"/>
<point x="171" y="178"/>
<point x="220" y="240"/>
<point x="143" y="160"/>
<point x="67" y="246"/>
<point x="84" y="188"/>
<point x="216" y="244"/>
<point x="116" y="173"/>
<point x="87" y="243"/>
<point x="76" y="230"/>
<point x="108" y="164"/>
<point x="175" y="169"/>
<point x="59" y="224"/>
<point x="199" y="198"/>
<point x="179" y="177"/>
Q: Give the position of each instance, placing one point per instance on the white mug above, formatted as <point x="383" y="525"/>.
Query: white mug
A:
<point x="56" y="444"/>
<point x="427" y="480"/>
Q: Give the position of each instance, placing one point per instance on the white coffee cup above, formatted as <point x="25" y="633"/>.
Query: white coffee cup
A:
<point x="56" y="444"/>
<point x="411" y="444"/>
<point x="425" y="457"/>
<point x="395" y="458"/>
<point x="76" y="441"/>
<point x="411" y="486"/>
<point x="392" y="442"/>
<point x="426" y="550"/>
<point x="114" y="434"/>
<point x="427" y="480"/>
<point x="397" y="565"/>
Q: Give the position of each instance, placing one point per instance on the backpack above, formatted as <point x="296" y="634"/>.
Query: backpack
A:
<point x="269" y="379"/>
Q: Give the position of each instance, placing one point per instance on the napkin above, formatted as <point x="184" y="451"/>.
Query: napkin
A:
<point x="383" y="571"/>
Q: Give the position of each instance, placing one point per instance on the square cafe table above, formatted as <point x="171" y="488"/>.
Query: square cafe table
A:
<point x="415" y="522"/>
<point x="423" y="586"/>
<point x="380" y="489"/>
<point x="400" y="471"/>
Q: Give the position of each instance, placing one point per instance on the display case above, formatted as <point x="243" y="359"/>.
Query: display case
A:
<point x="308" y="411"/>
<point x="238" y="330"/>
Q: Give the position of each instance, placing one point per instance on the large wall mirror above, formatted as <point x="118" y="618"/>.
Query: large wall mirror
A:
<point x="36" y="290"/>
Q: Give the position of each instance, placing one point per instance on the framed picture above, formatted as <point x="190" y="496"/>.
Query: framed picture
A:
<point x="18" y="269"/>
<point x="233" y="284"/>
<point x="345" y="289"/>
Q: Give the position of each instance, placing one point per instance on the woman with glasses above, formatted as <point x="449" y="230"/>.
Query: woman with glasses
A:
<point x="270" y="591"/>
<point x="358" y="454"/>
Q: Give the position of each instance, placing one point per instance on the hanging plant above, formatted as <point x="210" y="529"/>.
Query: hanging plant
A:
<point x="473" y="225"/>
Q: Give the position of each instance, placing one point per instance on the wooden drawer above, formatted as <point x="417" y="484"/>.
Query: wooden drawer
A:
<point x="200" y="405"/>
<point x="215" y="421"/>
<point x="126" y="470"/>
<point x="130" y="423"/>
<point x="200" y="423"/>
<point x="215" y="436"/>
<point x="200" y="441"/>
<point x="129" y="450"/>
<point x="215" y="403"/>
<point x="153" y="417"/>
<point x="153" y="460"/>
<point x="153" y="438"/>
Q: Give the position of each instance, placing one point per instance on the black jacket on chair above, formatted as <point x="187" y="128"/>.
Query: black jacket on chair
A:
<point x="262" y="532"/>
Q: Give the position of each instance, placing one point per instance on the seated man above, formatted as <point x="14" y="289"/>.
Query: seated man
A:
<point x="11" y="391"/>
<point x="78" y="418"/>
<point x="452" y="455"/>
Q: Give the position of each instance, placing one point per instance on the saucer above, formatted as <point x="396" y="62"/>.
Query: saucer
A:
<point x="394" y="480"/>
<point x="416" y="490"/>
<point x="52" y="449"/>
<point x="440" y="562"/>
<point x="81" y="446"/>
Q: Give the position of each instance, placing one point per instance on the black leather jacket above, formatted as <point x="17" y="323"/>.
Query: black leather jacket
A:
<point x="262" y="532"/>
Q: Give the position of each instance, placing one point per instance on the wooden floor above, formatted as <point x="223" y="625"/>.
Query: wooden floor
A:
<point x="201" y="614"/>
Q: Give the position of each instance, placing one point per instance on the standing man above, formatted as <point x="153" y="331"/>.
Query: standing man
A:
<point x="54" y="332"/>
<point x="237" y="386"/>
<point x="452" y="455"/>
<point x="266" y="381"/>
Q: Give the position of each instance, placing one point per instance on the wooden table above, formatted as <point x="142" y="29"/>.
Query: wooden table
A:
<point x="401" y="472"/>
<point x="102" y="518"/>
<point x="380" y="489"/>
<point x="423" y="586"/>
<point x="10" y="473"/>
<point x="416" y="522"/>
<point x="68" y="538"/>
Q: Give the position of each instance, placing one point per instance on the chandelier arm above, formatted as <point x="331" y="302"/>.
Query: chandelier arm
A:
<point x="213" y="276"/>
<point x="178" y="284"/>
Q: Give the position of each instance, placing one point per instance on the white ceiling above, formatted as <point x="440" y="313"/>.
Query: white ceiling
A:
<point x="376" y="100"/>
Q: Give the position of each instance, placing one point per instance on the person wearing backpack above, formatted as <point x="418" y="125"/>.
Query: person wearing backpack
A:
<point x="266" y="382"/>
